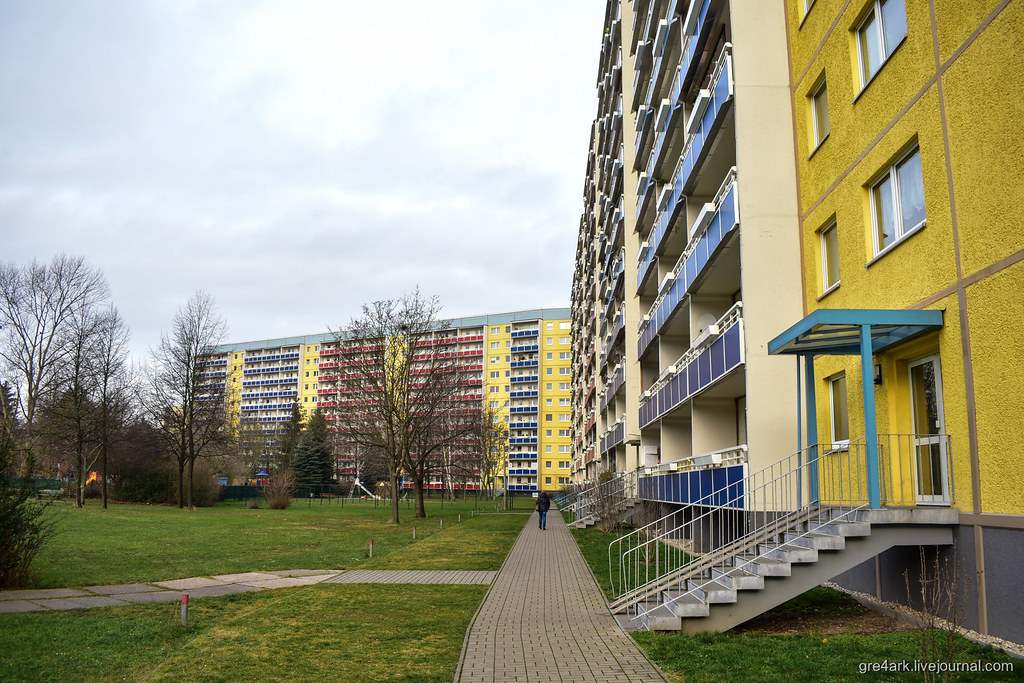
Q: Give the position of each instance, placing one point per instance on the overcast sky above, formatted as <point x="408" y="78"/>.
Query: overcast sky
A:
<point x="297" y="158"/>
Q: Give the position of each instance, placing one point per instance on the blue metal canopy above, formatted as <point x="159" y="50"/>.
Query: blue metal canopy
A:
<point x="837" y="331"/>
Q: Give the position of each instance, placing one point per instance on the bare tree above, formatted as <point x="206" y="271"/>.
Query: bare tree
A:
<point x="187" y="395"/>
<point x="492" y="436"/>
<point x="399" y="389"/>
<point x="37" y="305"/>
<point x="115" y="388"/>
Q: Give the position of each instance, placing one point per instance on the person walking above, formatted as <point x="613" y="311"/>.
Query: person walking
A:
<point x="543" y="504"/>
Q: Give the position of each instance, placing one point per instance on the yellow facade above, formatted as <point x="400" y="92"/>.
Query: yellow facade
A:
<point x="959" y="101"/>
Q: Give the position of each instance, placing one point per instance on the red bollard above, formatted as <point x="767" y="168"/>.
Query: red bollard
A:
<point x="184" y="609"/>
<point x="371" y="550"/>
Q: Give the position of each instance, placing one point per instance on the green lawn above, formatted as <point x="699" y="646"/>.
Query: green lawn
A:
<point x="138" y="543"/>
<point x="809" y="656"/>
<point x="327" y="631"/>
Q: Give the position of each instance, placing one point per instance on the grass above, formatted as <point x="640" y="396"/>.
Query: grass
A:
<point x="329" y="631"/>
<point x="137" y="543"/>
<point x="784" y="658"/>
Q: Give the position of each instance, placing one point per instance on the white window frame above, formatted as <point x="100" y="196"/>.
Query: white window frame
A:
<point x="900" y="231"/>
<point x="819" y="90"/>
<point x="875" y="14"/>
<point x="838" y="444"/>
<point x="833" y="229"/>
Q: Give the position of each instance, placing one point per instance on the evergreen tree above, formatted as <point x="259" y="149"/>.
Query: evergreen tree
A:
<point x="289" y="439"/>
<point x="313" y="463"/>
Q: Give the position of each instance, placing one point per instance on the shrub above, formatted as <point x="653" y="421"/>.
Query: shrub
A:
<point x="278" y="489"/>
<point x="205" y="487"/>
<point x="25" y="523"/>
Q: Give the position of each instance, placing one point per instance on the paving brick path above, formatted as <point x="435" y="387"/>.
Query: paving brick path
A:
<point x="544" y="619"/>
<point x="221" y="584"/>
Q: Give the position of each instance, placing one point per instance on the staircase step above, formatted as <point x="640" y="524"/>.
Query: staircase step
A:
<point x="815" y="540"/>
<point x="685" y="604"/>
<point x="712" y="591"/>
<point x="845" y="529"/>
<point x="766" y="566"/>
<point x="661" y="618"/>
<point x="739" y="578"/>
<point x="788" y="552"/>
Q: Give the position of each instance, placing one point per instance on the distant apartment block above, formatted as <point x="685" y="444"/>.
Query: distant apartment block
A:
<point x="515" y="363"/>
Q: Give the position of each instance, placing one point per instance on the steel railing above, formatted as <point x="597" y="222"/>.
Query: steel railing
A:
<point x="724" y="529"/>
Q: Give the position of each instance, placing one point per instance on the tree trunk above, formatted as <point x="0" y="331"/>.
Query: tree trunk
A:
<point x="393" y="478"/>
<point x="103" y="467"/>
<point x="417" y="487"/>
<point x="80" y="493"/>
<point x="191" y="482"/>
<point x="181" y="484"/>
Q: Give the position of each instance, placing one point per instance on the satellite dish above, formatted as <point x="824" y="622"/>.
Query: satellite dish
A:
<point x="706" y="321"/>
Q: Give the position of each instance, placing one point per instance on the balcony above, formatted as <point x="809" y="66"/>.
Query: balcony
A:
<point x="524" y="394"/>
<point x="270" y="394"/>
<point x="523" y="425"/>
<point x="269" y="382"/>
<point x="522" y="440"/>
<point x="522" y="409"/>
<point x="704" y="364"/>
<point x="614" y="436"/>
<point x="716" y="103"/>
<point x="518" y="334"/>
<point x="524" y="378"/>
<point x="524" y="348"/>
<point x="276" y="368"/>
<point x="273" y="356"/>
<point x="618" y="377"/>
<point x="670" y="210"/>
<point x="530" y="363"/>
<point x="710" y="232"/>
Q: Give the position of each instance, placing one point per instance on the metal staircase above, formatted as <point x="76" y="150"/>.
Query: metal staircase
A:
<point x="612" y="498"/>
<point x="744" y="548"/>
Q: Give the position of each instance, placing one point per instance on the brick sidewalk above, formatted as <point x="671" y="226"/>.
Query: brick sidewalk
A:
<point x="545" y="619"/>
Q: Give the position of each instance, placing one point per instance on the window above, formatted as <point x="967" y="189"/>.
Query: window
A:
<point x="549" y="340"/>
<point x="547" y="464"/>
<point x="495" y="330"/>
<point x="548" y="371"/>
<point x="548" y="402"/>
<point x="549" y="326"/>
<point x="547" y="480"/>
<point x="547" y="449"/>
<point x="564" y="371"/>
<point x="547" y="386"/>
<point x="897" y="201"/>
<point x="565" y="340"/>
<point x="563" y="386"/>
<point x="495" y="345"/>
<point x="563" y="326"/>
<point x="563" y="464"/>
<point x="563" y="480"/>
<point x="494" y="404"/>
<point x="562" y="432"/>
<point x="840" y="417"/>
<point x="495" y="374"/>
<point x="548" y="356"/>
<point x="882" y="30"/>
<point x="494" y="360"/>
<point x="563" y="401"/>
<point x="547" y="432"/>
<point x="819" y="113"/>
<point x="495" y="390"/>
<point x="547" y="417"/>
<point x="563" y="355"/>
<point x="565" y="417"/>
<point x="829" y="257"/>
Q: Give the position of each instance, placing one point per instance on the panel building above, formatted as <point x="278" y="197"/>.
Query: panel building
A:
<point x="515" y="363"/>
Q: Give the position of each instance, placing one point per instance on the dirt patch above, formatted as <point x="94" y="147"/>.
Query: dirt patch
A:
<point x="841" y="615"/>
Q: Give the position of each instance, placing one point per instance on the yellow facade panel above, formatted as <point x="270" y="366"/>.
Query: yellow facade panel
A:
<point x="957" y="20"/>
<point x="985" y="113"/>
<point x="994" y="305"/>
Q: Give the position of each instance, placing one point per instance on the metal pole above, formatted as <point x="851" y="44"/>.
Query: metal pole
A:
<point x="184" y="609"/>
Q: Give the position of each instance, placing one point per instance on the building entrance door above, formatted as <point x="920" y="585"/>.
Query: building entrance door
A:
<point x="929" y="440"/>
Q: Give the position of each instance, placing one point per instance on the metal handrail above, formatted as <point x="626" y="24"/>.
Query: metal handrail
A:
<point x="726" y="528"/>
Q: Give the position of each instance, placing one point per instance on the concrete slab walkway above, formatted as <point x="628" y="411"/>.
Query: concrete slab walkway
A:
<point x="544" y="619"/>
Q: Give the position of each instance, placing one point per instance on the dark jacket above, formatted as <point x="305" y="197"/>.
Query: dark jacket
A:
<point x="543" y="502"/>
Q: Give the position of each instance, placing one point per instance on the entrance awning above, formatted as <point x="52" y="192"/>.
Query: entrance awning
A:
<point x="837" y="331"/>
<point x="852" y="332"/>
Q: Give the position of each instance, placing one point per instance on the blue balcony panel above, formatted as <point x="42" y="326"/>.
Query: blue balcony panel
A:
<point x="710" y="364"/>
<point x="719" y="487"/>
